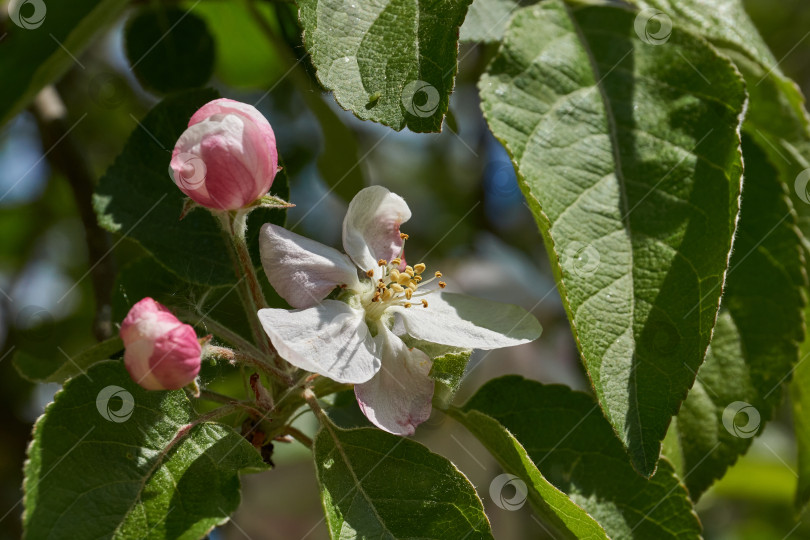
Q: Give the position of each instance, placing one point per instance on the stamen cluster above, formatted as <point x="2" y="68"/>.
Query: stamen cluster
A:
<point x="399" y="287"/>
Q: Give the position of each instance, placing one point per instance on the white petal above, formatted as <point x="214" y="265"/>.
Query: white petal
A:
<point x="464" y="321"/>
<point x="331" y="339"/>
<point x="399" y="396"/>
<point x="301" y="270"/>
<point x="371" y="226"/>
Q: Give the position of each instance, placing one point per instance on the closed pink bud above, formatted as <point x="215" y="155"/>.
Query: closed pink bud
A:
<point x="227" y="157"/>
<point x="161" y="352"/>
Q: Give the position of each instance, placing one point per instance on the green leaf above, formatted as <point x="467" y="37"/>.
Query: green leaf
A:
<point x="776" y="116"/>
<point x="34" y="57"/>
<point x="58" y="368"/>
<point x="575" y="448"/>
<point x="111" y="460"/>
<point x="630" y="162"/>
<point x="378" y="485"/>
<point x="447" y="369"/>
<point x="800" y="400"/>
<point x="757" y="336"/>
<point x="550" y="503"/>
<point x="448" y="372"/>
<point x="345" y="412"/>
<point x="137" y="198"/>
<point x="487" y="20"/>
<point x="390" y="61"/>
<point x="169" y="49"/>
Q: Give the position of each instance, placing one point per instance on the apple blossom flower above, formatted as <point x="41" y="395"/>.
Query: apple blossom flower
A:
<point x="161" y="352"/>
<point x="227" y="157"/>
<point x="352" y="311"/>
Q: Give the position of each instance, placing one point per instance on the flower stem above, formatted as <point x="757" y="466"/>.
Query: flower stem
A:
<point x="298" y="436"/>
<point x="324" y="386"/>
<point x="312" y="400"/>
<point x="238" y="357"/>
<point x="248" y="284"/>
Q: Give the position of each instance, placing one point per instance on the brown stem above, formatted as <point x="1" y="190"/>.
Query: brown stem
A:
<point x="66" y="156"/>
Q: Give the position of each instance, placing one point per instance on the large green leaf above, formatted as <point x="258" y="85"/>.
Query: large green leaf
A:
<point x="776" y="115"/>
<point x="44" y="45"/>
<point x="487" y="20"/>
<point x="391" y="61"/>
<point x="111" y="460"/>
<point x="551" y="504"/>
<point x="137" y="198"/>
<point x="630" y="162"/>
<point x="575" y="448"/>
<point x="757" y="336"/>
<point x="800" y="399"/>
<point x="378" y="485"/>
<point x="58" y="368"/>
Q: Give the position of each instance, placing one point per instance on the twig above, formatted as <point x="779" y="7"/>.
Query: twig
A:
<point x="66" y="156"/>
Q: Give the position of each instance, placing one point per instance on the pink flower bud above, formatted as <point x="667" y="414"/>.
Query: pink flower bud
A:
<point x="161" y="352"/>
<point x="227" y="157"/>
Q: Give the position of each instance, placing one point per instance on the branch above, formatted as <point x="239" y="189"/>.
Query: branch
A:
<point x="66" y="156"/>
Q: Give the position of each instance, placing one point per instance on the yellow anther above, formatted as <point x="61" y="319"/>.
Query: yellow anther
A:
<point x="396" y="262"/>
<point x="417" y="278"/>
<point x="403" y="236"/>
<point x="407" y="304"/>
<point x="404" y="279"/>
<point x="382" y="262"/>
<point x="412" y="286"/>
<point x="438" y="274"/>
<point x="419" y="268"/>
<point x="387" y="294"/>
<point x="409" y="270"/>
<point x="370" y="273"/>
<point x="424" y="303"/>
<point x="442" y="284"/>
<point x="408" y="293"/>
<point x="394" y="275"/>
<point x="396" y="287"/>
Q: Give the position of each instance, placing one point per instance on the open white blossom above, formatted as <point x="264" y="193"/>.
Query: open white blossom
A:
<point x="352" y="336"/>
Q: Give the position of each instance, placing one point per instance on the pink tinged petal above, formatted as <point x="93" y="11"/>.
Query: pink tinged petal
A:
<point x="227" y="157"/>
<point x="229" y="106"/>
<point x="464" y="321"/>
<point x="330" y="339"/>
<point x="371" y="226"/>
<point x="399" y="396"/>
<point x="301" y="270"/>
<point x="175" y="361"/>
<point x="161" y="352"/>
